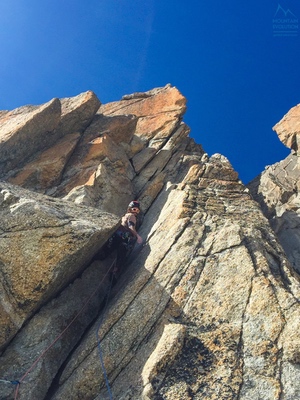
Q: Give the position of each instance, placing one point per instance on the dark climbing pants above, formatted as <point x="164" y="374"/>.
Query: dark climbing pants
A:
<point x="122" y="242"/>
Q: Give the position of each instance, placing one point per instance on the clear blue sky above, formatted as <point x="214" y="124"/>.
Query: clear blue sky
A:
<point x="239" y="78"/>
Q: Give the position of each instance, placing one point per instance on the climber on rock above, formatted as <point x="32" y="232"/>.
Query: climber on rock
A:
<point x="125" y="237"/>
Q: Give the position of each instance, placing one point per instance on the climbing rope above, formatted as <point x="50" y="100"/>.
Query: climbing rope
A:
<point x="99" y="341"/>
<point x="101" y="321"/>
<point x="18" y="382"/>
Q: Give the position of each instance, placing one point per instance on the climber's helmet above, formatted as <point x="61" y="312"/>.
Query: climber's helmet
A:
<point x="134" y="206"/>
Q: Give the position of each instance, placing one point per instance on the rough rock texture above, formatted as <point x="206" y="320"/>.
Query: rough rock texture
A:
<point x="25" y="130"/>
<point x="288" y="129"/>
<point x="277" y="189"/>
<point x="45" y="243"/>
<point x="207" y="309"/>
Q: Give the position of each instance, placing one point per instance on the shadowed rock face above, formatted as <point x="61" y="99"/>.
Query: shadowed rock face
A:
<point x="207" y="309"/>
<point x="277" y="189"/>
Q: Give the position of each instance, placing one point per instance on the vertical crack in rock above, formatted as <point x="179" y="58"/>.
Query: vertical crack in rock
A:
<point x="209" y="308"/>
<point x="241" y="343"/>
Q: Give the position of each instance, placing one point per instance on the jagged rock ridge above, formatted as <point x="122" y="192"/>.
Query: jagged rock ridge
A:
<point x="277" y="189"/>
<point x="209" y="308"/>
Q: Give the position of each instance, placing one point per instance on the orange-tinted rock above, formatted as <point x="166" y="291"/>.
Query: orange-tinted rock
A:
<point x="77" y="112"/>
<point x="166" y="99"/>
<point x="288" y="129"/>
<point x="85" y="163"/>
<point x="46" y="170"/>
<point x="209" y="307"/>
<point x="120" y="128"/>
<point x="25" y="131"/>
<point x="157" y="126"/>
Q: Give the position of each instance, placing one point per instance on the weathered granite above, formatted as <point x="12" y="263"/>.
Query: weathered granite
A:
<point x="33" y="143"/>
<point x="202" y="311"/>
<point x="45" y="244"/>
<point x="25" y="131"/>
<point x="277" y="190"/>
<point x="209" y="307"/>
<point x="288" y="129"/>
<point x="78" y="112"/>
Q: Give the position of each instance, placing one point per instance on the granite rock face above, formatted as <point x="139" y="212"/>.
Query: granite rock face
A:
<point x="45" y="244"/>
<point x="277" y="189"/>
<point x="208" y="308"/>
<point x="288" y="129"/>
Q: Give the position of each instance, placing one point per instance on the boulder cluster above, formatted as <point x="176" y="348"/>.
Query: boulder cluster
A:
<point x="208" y="308"/>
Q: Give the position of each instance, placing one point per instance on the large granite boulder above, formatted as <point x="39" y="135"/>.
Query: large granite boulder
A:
<point x="45" y="244"/>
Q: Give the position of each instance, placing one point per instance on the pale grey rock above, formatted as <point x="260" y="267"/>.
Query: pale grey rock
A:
<point x="209" y="306"/>
<point x="77" y="112"/>
<point x="161" y="159"/>
<point x="68" y="315"/>
<point x="45" y="243"/>
<point x="211" y="274"/>
<point x="277" y="191"/>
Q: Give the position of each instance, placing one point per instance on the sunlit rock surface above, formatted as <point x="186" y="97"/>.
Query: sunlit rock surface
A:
<point x="209" y="306"/>
<point x="277" y="189"/>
